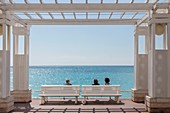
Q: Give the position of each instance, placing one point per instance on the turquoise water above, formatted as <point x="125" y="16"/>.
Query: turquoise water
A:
<point x="80" y="75"/>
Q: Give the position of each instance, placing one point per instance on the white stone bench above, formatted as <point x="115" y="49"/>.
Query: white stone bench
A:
<point x="59" y="91"/>
<point x="102" y="91"/>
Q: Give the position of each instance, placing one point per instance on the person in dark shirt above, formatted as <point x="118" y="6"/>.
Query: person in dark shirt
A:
<point x="107" y="81"/>
<point x="68" y="82"/>
<point x="96" y="82"/>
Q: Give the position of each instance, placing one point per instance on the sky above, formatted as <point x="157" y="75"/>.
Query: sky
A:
<point x="85" y="45"/>
<point x="82" y="45"/>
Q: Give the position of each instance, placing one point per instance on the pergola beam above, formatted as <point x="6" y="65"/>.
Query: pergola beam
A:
<point x="74" y="15"/>
<point x="63" y="15"/>
<point x="131" y="1"/>
<point x="110" y="15"/>
<point x="26" y="1"/>
<point x="144" y="18"/>
<point x="135" y="7"/>
<point x="86" y="1"/>
<point x="41" y="1"/>
<point x="28" y="15"/>
<point x="98" y="16"/>
<point x="71" y="1"/>
<point x="17" y="19"/>
<point x="56" y="1"/>
<point x="101" y="1"/>
<point x="11" y="1"/>
<point x="147" y="1"/>
<point x="122" y="15"/>
<point x="51" y="16"/>
<point x="39" y="15"/>
<point x="80" y="22"/>
<point x="134" y="15"/>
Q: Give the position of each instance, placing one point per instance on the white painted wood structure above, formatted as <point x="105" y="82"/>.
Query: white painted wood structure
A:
<point x="59" y="91"/>
<point x="21" y="64"/>
<point x="101" y="91"/>
<point x="144" y="14"/>
<point x="6" y="100"/>
<point x="141" y="65"/>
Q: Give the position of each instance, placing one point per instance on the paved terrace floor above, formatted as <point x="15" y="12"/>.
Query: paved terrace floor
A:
<point x="93" y="106"/>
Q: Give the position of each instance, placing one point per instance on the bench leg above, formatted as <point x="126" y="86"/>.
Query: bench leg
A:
<point x="117" y="99"/>
<point x="76" y="101"/>
<point x="46" y="99"/>
<point x="42" y="100"/>
<point x="84" y="101"/>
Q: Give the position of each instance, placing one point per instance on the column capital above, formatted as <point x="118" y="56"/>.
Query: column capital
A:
<point x="141" y="30"/>
<point x="21" y="30"/>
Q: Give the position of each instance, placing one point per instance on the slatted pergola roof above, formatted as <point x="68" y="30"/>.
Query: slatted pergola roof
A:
<point x="84" y="12"/>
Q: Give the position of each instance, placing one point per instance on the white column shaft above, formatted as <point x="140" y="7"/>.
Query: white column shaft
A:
<point x="168" y="44"/>
<point x="135" y="54"/>
<point x="8" y="59"/>
<point x="146" y="44"/>
<point x="165" y="39"/>
<point x="21" y="62"/>
<point x="152" y="59"/>
<point x="150" y="62"/>
<point x="5" y="63"/>
<point x="4" y="57"/>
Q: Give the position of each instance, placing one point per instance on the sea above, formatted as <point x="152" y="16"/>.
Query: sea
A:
<point x="80" y="75"/>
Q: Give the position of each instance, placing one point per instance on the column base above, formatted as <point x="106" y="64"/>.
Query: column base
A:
<point x="6" y="104"/>
<point x="157" y="105"/>
<point x="138" y="95"/>
<point x="21" y="95"/>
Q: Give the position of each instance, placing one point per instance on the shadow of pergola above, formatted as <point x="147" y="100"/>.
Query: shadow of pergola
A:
<point x="81" y="110"/>
<point x="89" y="102"/>
<point x="27" y="108"/>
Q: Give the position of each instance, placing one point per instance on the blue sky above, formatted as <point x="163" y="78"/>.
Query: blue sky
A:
<point x="82" y="45"/>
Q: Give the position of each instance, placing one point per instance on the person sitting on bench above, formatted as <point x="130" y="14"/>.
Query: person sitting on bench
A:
<point x="96" y="82"/>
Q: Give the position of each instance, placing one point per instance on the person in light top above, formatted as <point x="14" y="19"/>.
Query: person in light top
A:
<point x="107" y="81"/>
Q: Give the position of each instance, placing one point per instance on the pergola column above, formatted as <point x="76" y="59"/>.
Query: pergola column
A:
<point x="21" y="92"/>
<point x="6" y="101"/>
<point x="140" y="66"/>
<point x="158" y="99"/>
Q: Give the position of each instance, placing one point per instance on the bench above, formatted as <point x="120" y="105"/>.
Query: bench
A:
<point x="59" y="91"/>
<point x="101" y="90"/>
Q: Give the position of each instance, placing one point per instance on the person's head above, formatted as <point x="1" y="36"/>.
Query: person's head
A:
<point x="95" y="81"/>
<point x="67" y="81"/>
<point x="107" y="80"/>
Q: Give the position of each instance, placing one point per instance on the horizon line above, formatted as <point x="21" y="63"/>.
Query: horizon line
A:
<point x="82" y="65"/>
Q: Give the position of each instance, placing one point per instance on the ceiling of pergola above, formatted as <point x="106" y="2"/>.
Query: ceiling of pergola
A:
<point x="107" y="12"/>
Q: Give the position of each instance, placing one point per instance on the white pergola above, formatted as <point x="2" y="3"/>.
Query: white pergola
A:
<point x="81" y="12"/>
<point x="151" y="17"/>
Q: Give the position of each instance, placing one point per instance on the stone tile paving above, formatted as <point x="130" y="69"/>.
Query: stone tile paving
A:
<point x="92" y="106"/>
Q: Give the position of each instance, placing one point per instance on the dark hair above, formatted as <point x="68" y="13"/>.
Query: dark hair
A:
<point x="107" y="80"/>
<point x="95" y="81"/>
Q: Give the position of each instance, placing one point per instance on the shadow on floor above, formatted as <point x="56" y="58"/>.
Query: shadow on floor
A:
<point x="21" y="107"/>
<point x="89" y="102"/>
<point x="80" y="110"/>
<point x="99" y="102"/>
